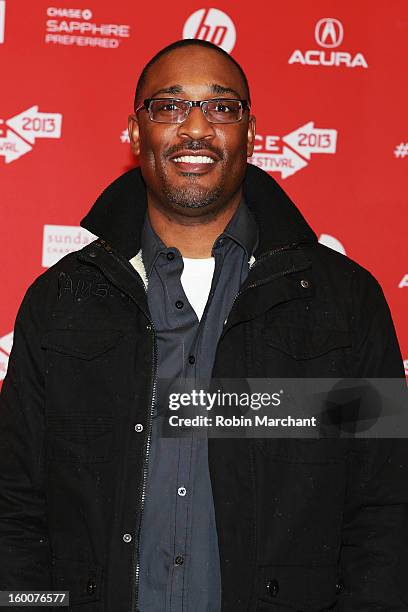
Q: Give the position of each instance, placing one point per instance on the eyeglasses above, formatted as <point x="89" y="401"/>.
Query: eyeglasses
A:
<point x="172" y="110"/>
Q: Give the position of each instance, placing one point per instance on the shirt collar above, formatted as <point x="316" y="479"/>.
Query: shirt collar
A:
<point x="119" y="212"/>
<point x="242" y="229"/>
<point x="152" y="245"/>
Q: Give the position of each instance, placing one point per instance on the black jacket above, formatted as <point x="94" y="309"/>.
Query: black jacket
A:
<point x="303" y="525"/>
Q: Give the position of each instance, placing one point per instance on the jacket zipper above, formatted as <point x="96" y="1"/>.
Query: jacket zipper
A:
<point x="135" y="591"/>
<point x="144" y="473"/>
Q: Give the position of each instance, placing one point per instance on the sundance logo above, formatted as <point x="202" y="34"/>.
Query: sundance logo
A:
<point x="6" y="342"/>
<point x="211" y="25"/>
<point x="25" y="129"/>
<point x="59" y="240"/>
<point x="307" y="140"/>
<point x="329" y="33"/>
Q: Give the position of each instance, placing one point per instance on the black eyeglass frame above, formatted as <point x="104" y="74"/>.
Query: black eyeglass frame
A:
<point x="194" y="103"/>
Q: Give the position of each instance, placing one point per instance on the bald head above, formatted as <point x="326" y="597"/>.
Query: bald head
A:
<point x="190" y="44"/>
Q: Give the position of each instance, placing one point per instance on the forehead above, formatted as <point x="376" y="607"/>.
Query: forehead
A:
<point x="193" y="67"/>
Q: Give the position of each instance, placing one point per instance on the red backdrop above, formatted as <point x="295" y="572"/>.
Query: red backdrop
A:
<point x="327" y="87"/>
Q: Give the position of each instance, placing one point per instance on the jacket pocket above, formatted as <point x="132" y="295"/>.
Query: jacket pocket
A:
<point x="82" y="580"/>
<point x="82" y="393"/>
<point x="99" y="450"/>
<point x="305" y="343"/>
<point x="296" y="588"/>
<point x="84" y="344"/>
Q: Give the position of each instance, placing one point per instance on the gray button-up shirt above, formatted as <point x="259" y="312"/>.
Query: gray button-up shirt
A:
<point x="179" y="558"/>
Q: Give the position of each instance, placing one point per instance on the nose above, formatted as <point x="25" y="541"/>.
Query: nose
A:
<point x="196" y="126"/>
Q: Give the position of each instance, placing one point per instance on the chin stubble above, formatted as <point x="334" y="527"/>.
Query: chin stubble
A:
<point x="191" y="197"/>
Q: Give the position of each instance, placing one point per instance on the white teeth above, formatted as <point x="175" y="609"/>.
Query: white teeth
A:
<point x="194" y="159"/>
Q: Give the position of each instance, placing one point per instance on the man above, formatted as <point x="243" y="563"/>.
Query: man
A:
<point x="203" y="267"/>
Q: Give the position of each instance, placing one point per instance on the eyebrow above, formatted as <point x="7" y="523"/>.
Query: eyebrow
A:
<point x="220" y="89"/>
<point x="214" y="87"/>
<point x="173" y="89"/>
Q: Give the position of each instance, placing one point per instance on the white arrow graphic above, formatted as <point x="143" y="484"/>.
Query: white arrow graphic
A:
<point x="308" y="139"/>
<point x="31" y="124"/>
<point x="12" y="147"/>
<point x="3" y="365"/>
<point x="6" y="343"/>
<point x="287" y="162"/>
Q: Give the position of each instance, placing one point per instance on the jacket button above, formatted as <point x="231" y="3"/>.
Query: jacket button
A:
<point x="179" y="304"/>
<point x="149" y="327"/>
<point x="179" y="560"/>
<point x="127" y="538"/>
<point x="273" y="587"/>
<point x="304" y="283"/>
<point x="339" y="587"/>
<point x="91" y="587"/>
<point x="92" y="254"/>
<point x="138" y="427"/>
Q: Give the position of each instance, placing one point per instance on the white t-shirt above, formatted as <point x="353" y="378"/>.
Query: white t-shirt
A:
<point x="196" y="280"/>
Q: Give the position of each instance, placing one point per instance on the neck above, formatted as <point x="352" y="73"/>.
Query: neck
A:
<point x="194" y="237"/>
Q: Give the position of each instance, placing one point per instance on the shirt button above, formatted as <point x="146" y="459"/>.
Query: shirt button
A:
<point x="170" y="256"/>
<point x="182" y="491"/>
<point x="304" y="283"/>
<point x="339" y="587"/>
<point x="179" y="560"/>
<point x="273" y="587"/>
<point x="138" y="427"/>
<point x="191" y="359"/>
<point x="179" y="304"/>
<point x="127" y="538"/>
<point x="91" y="587"/>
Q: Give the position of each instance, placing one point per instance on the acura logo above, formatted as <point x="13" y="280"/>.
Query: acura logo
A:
<point x="329" y="32"/>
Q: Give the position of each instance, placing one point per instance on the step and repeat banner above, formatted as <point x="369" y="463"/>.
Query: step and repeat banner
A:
<point x="328" y="81"/>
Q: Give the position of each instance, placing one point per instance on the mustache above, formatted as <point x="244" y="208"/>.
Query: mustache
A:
<point x="193" y="145"/>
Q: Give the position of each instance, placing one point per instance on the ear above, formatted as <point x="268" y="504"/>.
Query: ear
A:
<point x="251" y="135"/>
<point x="134" y="134"/>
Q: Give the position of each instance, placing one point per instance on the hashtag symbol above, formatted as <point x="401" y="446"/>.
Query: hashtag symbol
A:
<point x="401" y="150"/>
<point x="124" y="137"/>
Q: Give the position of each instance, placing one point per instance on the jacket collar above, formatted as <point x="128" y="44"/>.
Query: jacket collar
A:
<point x="119" y="212"/>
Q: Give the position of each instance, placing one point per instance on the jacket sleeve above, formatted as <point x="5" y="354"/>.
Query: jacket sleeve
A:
<point x="24" y="548"/>
<point x="374" y="551"/>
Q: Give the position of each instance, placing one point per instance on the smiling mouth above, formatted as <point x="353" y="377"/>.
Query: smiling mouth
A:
<point x="194" y="164"/>
<point x="193" y="159"/>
